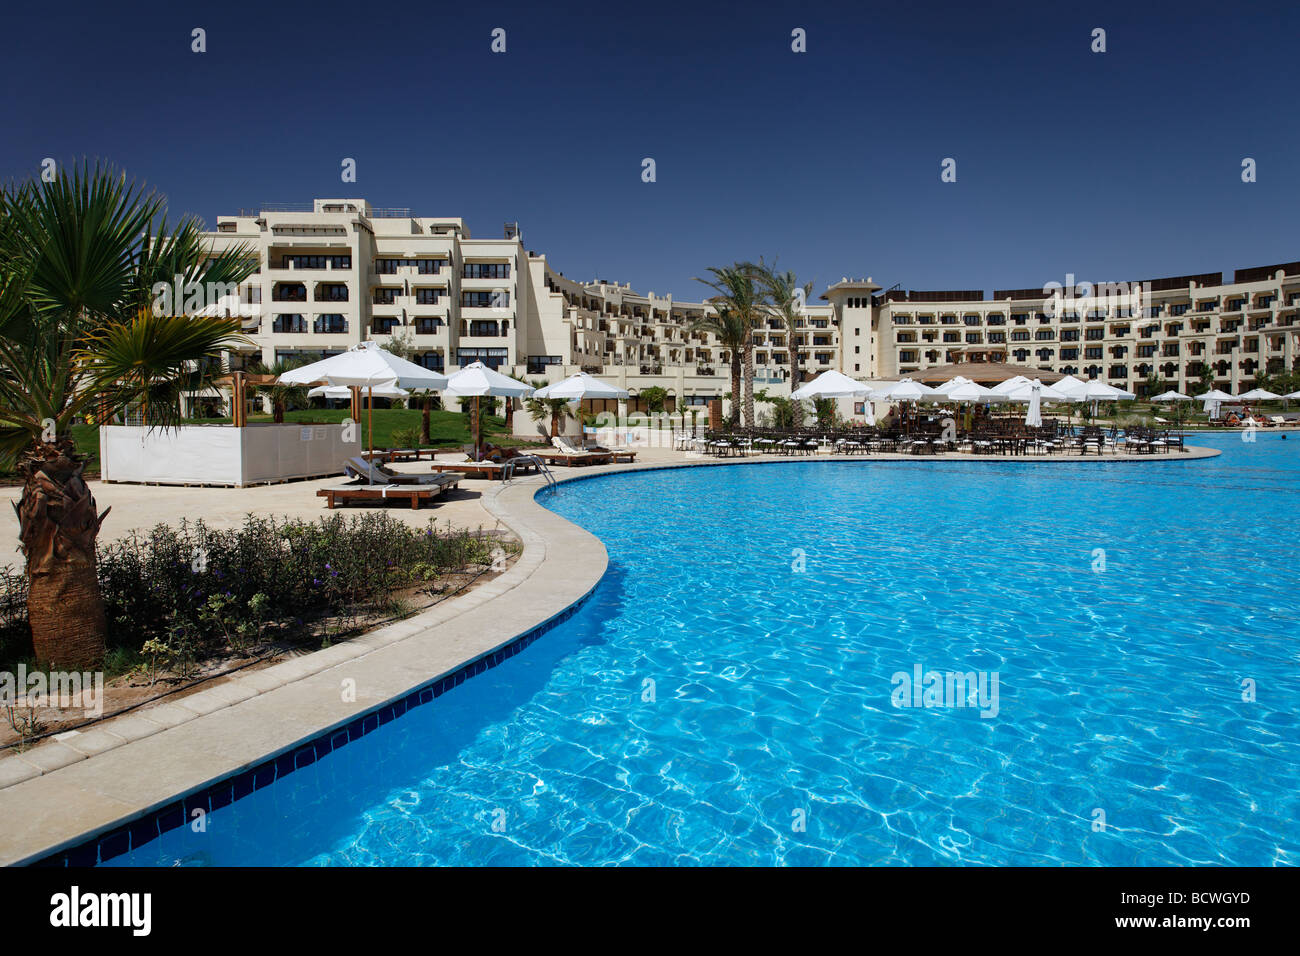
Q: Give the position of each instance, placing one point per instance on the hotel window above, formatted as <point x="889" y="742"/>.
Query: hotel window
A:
<point x="430" y="360"/>
<point x="289" y="292"/>
<point x="289" y="324"/>
<point x="486" y="270"/>
<point x="384" y="324"/>
<point x="1069" y="354"/>
<point x="537" y="363"/>
<point x="1092" y="352"/>
<point x="330" y="324"/>
<point x="427" y="296"/>
<point x="317" y="262"/>
<point x="1179" y="309"/>
<point x="499" y="299"/>
<point x="427" y="326"/>
<point x="333" y="292"/>
<point x="384" y="296"/>
<point x="492" y="358"/>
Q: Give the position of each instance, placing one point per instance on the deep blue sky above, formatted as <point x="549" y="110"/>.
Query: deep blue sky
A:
<point x="1119" y="166"/>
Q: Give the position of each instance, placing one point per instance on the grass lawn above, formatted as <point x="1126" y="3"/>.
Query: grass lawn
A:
<point x="446" y="429"/>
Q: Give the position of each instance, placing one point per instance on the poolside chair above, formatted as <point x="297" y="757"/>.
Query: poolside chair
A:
<point x="373" y="473"/>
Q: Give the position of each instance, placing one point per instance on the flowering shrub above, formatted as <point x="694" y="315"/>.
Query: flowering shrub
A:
<point x="191" y="590"/>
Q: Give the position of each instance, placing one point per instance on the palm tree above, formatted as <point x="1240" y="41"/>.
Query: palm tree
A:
<point x="556" y="409"/>
<point x="731" y="333"/>
<point x="510" y="406"/>
<point x="736" y="288"/>
<point x="785" y="304"/>
<point x="79" y="258"/>
<point x="281" y="395"/>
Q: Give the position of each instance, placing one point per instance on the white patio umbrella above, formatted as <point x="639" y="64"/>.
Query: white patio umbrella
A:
<point x="580" y="386"/>
<point x="1173" y="395"/>
<point x="1069" y="385"/>
<point x="904" y="390"/>
<point x="1292" y="395"/>
<point x="1259" y="395"/>
<point x="366" y="365"/>
<point x="477" y="380"/>
<point x="1046" y="393"/>
<point x="1211" y="400"/>
<point x="831" y="384"/>
<point x="1010" y="385"/>
<point x="1096" y="391"/>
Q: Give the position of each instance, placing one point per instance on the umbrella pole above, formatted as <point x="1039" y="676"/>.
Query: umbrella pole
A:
<point x="478" y="430"/>
<point x="370" y="430"/>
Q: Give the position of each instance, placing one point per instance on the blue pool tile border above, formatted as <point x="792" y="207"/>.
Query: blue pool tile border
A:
<point x="137" y="833"/>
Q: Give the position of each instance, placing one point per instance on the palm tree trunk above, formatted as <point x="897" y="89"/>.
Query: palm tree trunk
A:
<point x="793" y="357"/>
<point x="735" y="387"/>
<point x="749" y="380"/>
<point x="510" y="416"/>
<point x="57" y="529"/>
<point x="424" y="420"/>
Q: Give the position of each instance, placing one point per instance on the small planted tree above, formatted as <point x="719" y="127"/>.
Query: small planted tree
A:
<point x="556" y="410"/>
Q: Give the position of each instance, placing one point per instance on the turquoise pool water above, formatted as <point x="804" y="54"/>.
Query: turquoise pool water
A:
<point x="727" y="695"/>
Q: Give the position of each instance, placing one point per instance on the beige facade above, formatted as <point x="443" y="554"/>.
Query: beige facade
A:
<point x="339" y="271"/>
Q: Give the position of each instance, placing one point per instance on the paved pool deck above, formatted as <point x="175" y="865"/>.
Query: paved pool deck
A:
<point x="71" y="788"/>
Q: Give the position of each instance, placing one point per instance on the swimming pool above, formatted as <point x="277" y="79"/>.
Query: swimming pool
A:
<point x="727" y="694"/>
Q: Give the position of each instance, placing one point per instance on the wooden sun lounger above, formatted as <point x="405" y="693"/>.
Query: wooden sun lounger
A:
<point x="415" y="494"/>
<point x="472" y="469"/>
<point x="576" y="458"/>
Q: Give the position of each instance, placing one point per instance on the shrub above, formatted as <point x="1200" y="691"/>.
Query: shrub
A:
<point x="177" y="594"/>
<point x="406" y="438"/>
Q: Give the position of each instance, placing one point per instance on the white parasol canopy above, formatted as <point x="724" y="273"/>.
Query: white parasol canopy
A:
<point x="904" y="390"/>
<point x="831" y="384"/>
<point x="477" y="380"/>
<point x="365" y="364"/>
<point x="580" y="386"/>
<point x="1259" y="395"/>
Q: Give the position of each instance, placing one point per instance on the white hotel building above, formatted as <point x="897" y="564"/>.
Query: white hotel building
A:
<point x="341" y="272"/>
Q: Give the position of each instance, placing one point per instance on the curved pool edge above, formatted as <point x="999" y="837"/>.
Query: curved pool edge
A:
<point x="132" y="792"/>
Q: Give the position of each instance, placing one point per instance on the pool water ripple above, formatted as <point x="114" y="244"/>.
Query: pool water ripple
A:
<point x="731" y="678"/>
